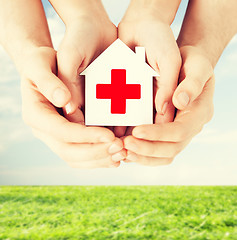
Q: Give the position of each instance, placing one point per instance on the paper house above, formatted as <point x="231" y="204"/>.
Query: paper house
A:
<point x="119" y="88"/>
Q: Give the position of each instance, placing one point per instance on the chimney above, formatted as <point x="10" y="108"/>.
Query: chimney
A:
<point x="140" y="52"/>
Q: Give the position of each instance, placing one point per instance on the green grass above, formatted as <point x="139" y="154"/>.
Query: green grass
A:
<point x="142" y="212"/>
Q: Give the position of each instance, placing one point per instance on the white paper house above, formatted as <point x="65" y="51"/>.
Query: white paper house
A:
<point x="119" y="88"/>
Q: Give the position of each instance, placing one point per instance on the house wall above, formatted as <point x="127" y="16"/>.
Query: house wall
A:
<point x="138" y="111"/>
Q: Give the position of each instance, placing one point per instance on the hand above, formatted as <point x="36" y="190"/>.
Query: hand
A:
<point x="158" y="144"/>
<point x="78" y="145"/>
<point x="141" y="27"/>
<point x="87" y="35"/>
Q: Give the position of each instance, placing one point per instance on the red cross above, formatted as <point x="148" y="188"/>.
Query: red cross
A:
<point x="118" y="91"/>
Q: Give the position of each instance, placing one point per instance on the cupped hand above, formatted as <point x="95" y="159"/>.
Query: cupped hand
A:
<point x="86" y="37"/>
<point x="78" y="145"/>
<point x="141" y="27"/>
<point x="158" y="144"/>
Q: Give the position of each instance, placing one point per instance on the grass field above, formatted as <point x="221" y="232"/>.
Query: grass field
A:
<point x="134" y="212"/>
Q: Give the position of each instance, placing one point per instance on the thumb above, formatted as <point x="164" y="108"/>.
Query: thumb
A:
<point x="195" y="72"/>
<point x="69" y="64"/>
<point x="40" y="68"/>
<point x="52" y="88"/>
<point x="190" y="87"/>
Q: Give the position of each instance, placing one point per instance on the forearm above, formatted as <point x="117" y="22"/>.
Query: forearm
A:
<point x="162" y="9"/>
<point x="209" y="25"/>
<point x="23" y="26"/>
<point x="76" y="9"/>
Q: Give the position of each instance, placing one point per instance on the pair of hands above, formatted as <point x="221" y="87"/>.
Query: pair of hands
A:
<point x="51" y="78"/>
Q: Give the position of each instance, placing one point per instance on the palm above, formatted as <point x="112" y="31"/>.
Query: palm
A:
<point x="77" y="50"/>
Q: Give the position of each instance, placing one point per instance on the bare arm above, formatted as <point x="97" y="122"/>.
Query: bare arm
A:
<point x="74" y="10"/>
<point x="23" y="26"/>
<point x="209" y="25"/>
<point x="162" y="9"/>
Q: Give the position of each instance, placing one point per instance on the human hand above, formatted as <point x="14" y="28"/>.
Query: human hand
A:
<point x="88" y="33"/>
<point x="144" y="26"/>
<point x="78" y="145"/>
<point x="158" y="144"/>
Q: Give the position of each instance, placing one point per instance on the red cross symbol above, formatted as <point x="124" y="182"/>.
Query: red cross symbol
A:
<point x="118" y="91"/>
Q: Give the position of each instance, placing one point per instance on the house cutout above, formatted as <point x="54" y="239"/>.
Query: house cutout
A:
<point x="119" y="88"/>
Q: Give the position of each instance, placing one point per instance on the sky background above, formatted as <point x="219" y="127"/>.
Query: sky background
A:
<point x="210" y="159"/>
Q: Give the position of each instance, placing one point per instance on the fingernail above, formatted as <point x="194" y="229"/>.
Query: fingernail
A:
<point x="164" y="108"/>
<point x="117" y="157"/>
<point x="183" y="99"/>
<point x="132" y="157"/>
<point x="59" y="96"/>
<point x="114" y="148"/>
<point x="68" y="108"/>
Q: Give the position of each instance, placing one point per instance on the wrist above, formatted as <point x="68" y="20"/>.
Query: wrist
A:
<point x="24" y="44"/>
<point x="161" y="10"/>
<point x="211" y="52"/>
<point x="22" y="52"/>
<point x="75" y="10"/>
<point x="198" y="50"/>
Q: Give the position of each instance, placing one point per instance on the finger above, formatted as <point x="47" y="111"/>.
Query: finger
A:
<point x="153" y="149"/>
<point x="76" y="117"/>
<point x="168" y="132"/>
<point x="83" y="155"/>
<point x="176" y="131"/>
<point x="45" y="80"/>
<point x="40" y="114"/>
<point x="166" y="60"/>
<point x="129" y="131"/>
<point x="148" y="161"/>
<point x="166" y="84"/>
<point x="69" y="60"/>
<point x="119" y="131"/>
<point x="74" y="54"/>
<point x="127" y="161"/>
<point x="52" y="88"/>
<point x="119" y="156"/>
<point x="161" y="118"/>
<point x="186" y="124"/>
<point x="192" y="79"/>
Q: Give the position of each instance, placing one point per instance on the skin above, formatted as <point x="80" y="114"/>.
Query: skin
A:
<point x="201" y="44"/>
<point x="42" y="90"/>
<point x="82" y="19"/>
<point x="208" y="26"/>
<point x="142" y="20"/>
<point x="155" y="144"/>
<point x="158" y="144"/>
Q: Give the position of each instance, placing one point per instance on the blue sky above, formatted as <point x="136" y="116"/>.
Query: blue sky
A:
<point x="211" y="158"/>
